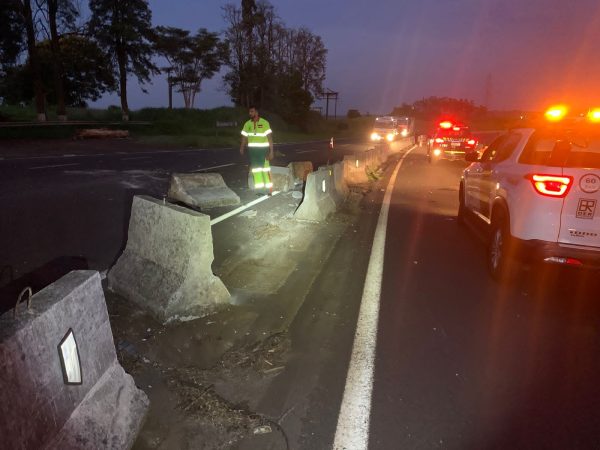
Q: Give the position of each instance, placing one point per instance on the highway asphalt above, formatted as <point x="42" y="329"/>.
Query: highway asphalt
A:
<point x="76" y="207"/>
<point x="461" y="362"/>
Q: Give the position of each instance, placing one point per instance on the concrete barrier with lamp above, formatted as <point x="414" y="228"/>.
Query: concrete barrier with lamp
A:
<point x="62" y="386"/>
<point x="321" y="198"/>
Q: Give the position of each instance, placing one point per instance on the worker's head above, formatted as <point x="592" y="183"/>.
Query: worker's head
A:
<point x="253" y="112"/>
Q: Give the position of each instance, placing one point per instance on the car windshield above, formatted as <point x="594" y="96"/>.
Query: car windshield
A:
<point x="575" y="148"/>
<point x="385" y="125"/>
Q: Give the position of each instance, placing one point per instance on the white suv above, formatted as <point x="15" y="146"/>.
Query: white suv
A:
<point x="538" y="190"/>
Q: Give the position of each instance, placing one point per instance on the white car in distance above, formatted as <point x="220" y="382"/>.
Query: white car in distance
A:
<point x="538" y="191"/>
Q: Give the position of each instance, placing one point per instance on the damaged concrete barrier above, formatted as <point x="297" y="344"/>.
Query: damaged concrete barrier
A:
<point x="321" y="198"/>
<point x="62" y="385"/>
<point x="355" y="169"/>
<point x="201" y="190"/>
<point x="341" y="187"/>
<point x="166" y="265"/>
<point x="282" y="178"/>
<point x="300" y="170"/>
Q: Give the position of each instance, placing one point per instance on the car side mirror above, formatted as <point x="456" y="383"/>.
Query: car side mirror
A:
<point x="471" y="156"/>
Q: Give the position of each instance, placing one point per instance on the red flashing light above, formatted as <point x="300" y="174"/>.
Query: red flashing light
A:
<point x="446" y="125"/>
<point x="556" y="186"/>
<point x="471" y="142"/>
<point x="439" y="141"/>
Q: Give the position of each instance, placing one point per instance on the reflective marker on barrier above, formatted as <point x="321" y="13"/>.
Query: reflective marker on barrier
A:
<point x="323" y="186"/>
<point x="357" y="163"/>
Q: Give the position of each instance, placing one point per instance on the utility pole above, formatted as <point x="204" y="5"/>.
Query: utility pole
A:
<point x="329" y="95"/>
<point x="170" y="83"/>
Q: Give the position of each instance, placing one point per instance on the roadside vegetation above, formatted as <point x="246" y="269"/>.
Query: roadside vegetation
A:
<point x="176" y="127"/>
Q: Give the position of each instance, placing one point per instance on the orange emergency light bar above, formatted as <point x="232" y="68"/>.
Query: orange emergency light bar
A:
<point x="556" y="113"/>
<point x="594" y="115"/>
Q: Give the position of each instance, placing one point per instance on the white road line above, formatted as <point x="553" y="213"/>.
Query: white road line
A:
<point x="53" y="166"/>
<point x="136" y="158"/>
<point x="352" y="430"/>
<point x="236" y="211"/>
<point x="307" y="151"/>
<point x="214" y="167"/>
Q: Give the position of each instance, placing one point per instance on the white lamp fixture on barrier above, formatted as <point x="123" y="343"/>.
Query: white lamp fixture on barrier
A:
<point x="69" y="359"/>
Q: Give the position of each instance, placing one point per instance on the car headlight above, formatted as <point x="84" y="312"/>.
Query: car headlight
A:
<point x="390" y="137"/>
<point x="404" y="133"/>
<point x="375" y="137"/>
<point x="437" y="152"/>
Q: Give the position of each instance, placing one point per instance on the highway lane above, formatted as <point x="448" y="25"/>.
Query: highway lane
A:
<point x="463" y="362"/>
<point x="78" y="206"/>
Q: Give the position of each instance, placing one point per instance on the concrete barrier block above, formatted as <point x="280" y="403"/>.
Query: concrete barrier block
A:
<point x="166" y="265"/>
<point x="320" y="196"/>
<point x="338" y="180"/>
<point x="373" y="158"/>
<point x="39" y="410"/>
<point x="355" y="170"/>
<point x="339" y="189"/>
<point x="282" y="178"/>
<point x="300" y="170"/>
<point x="403" y="144"/>
<point x="201" y="190"/>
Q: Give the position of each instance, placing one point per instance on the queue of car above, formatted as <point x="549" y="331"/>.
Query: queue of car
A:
<point x="537" y="190"/>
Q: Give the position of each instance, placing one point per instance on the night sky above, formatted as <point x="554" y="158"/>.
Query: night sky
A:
<point x="385" y="52"/>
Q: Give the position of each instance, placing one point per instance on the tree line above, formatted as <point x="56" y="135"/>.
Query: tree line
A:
<point x="49" y="56"/>
<point x="438" y="107"/>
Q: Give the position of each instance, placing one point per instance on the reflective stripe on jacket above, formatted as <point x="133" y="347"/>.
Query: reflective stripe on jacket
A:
<point x="257" y="132"/>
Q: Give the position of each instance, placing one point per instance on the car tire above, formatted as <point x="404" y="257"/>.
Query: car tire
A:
<point x="498" y="254"/>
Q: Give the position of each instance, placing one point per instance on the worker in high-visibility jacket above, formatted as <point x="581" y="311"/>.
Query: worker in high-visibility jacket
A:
<point x="257" y="134"/>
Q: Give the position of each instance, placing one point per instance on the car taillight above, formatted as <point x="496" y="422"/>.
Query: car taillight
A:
<point x="439" y="141"/>
<point x="471" y="142"/>
<point x="551" y="185"/>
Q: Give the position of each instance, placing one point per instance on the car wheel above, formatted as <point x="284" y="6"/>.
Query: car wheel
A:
<point x="499" y="248"/>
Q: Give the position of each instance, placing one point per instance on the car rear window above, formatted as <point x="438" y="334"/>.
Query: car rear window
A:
<point x="571" y="148"/>
<point x="453" y="134"/>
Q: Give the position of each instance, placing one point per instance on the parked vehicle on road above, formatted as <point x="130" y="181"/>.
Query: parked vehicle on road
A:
<point x="385" y="129"/>
<point x="451" y="142"/>
<point x="537" y="189"/>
